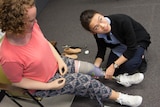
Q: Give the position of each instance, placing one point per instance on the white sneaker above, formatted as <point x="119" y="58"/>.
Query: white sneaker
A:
<point x="128" y="80"/>
<point x="129" y="100"/>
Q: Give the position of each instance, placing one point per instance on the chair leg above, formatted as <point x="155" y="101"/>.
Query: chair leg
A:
<point x="20" y="104"/>
<point x="2" y="94"/>
<point x="13" y="99"/>
<point x="35" y="99"/>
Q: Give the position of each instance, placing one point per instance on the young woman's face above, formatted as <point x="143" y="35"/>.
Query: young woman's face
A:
<point x="31" y="19"/>
<point x="99" y="24"/>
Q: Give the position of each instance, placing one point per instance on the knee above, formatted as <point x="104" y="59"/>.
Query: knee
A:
<point x="130" y="66"/>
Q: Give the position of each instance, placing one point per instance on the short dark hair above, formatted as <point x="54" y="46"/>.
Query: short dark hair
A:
<point x="86" y="17"/>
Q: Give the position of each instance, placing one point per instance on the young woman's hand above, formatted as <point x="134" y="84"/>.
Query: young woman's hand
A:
<point x="109" y="72"/>
<point x="57" y="84"/>
<point x="62" y="68"/>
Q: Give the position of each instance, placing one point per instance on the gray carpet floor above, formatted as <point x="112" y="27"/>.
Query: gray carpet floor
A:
<point x="60" y="21"/>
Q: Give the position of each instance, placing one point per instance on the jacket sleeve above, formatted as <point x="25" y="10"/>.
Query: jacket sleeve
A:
<point x="101" y="46"/>
<point x="128" y="37"/>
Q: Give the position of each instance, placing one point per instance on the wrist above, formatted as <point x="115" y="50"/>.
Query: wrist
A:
<point x="115" y="65"/>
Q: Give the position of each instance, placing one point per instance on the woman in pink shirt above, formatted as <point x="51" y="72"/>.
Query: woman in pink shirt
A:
<point x="31" y="62"/>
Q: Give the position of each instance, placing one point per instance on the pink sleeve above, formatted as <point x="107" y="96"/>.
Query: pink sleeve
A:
<point x="13" y="71"/>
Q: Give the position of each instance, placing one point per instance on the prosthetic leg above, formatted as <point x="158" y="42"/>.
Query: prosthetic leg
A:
<point x="88" y="68"/>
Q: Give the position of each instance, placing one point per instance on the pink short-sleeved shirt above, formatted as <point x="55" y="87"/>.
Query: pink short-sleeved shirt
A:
<point x="34" y="60"/>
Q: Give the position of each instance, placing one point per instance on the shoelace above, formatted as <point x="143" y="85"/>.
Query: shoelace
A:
<point x="124" y="103"/>
<point x="126" y="83"/>
<point x="118" y="77"/>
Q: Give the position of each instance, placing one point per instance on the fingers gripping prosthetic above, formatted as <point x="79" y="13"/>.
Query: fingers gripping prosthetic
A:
<point x="88" y="68"/>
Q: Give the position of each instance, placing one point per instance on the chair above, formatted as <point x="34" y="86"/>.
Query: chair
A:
<point x="18" y="93"/>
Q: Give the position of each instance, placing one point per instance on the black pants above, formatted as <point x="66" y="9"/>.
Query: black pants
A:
<point x="129" y="66"/>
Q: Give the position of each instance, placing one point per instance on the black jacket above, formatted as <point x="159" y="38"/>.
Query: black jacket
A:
<point x="128" y="32"/>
